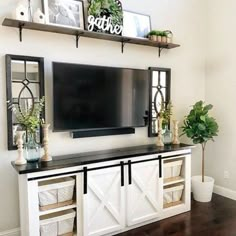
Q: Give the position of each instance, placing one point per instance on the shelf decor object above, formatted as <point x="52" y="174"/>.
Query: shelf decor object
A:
<point x="66" y="13"/>
<point x="160" y="137"/>
<point x="39" y="17"/>
<point x="136" y="24"/>
<point x="176" y="132"/>
<point x="46" y="157"/>
<point x="20" y="159"/>
<point x="21" y="12"/>
<point x="105" y="16"/>
<point x="87" y="34"/>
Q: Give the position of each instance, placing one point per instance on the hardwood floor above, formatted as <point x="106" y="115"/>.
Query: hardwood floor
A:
<point x="217" y="218"/>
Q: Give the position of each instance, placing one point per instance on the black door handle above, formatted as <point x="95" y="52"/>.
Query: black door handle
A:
<point x="122" y="181"/>
<point x="130" y="172"/>
<point x="85" y="180"/>
<point x="160" y="166"/>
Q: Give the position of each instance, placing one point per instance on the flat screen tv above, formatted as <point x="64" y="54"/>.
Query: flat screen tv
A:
<point x="89" y="97"/>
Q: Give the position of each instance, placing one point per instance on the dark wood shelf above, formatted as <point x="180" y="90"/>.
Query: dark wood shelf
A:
<point x="84" y="33"/>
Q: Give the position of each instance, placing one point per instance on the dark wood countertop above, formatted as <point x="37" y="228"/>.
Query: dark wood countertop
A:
<point x="86" y="158"/>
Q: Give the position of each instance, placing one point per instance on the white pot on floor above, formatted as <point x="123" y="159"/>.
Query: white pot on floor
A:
<point x="202" y="191"/>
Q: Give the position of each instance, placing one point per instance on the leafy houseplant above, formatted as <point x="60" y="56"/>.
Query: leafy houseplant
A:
<point x="200" y="127"/>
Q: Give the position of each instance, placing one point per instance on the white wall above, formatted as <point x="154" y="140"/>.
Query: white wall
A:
<point x="220" y="89"/>
<point x="186" y="18"/>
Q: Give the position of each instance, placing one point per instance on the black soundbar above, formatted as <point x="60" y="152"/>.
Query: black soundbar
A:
<point x="101" y="132"/>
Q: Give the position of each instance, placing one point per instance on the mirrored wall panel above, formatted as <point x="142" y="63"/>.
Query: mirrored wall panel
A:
<point x="25" y="87"/>
<point x="159" y="94"/>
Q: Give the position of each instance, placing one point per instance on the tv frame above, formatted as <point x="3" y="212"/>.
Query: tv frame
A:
<point x="91" y="132"/>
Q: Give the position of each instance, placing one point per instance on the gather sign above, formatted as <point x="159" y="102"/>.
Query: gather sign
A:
<point x="104" y="24"/>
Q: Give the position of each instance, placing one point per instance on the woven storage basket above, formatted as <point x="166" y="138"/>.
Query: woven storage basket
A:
<point x="172" y="168"/>
<point x="56" y="193"/>
<point x="173" y="193"/>
<point x="57" y="224"/>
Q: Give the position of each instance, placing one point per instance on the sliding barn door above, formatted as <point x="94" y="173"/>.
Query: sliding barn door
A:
<point x="103" y="207"/>
<point x="144" y="192"/>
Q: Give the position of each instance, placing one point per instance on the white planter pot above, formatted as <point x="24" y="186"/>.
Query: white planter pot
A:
<point x="202" y="191"/>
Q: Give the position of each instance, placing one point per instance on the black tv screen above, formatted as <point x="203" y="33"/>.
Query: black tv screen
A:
<point x="95" y="97"/>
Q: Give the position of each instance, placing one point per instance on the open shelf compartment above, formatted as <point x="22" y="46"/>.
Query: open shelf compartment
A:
<point x="174" y="171"/>
<point x="56" y="194"/>
<point x="173" y="195"/>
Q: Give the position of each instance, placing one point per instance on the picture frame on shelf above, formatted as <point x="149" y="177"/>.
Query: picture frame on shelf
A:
<point x="66" y="13"/>
<point x="136" y="25"/>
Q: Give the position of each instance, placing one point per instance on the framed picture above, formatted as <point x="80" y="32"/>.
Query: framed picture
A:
<point x="136" y="25"/>
<point x="67" y="13"/>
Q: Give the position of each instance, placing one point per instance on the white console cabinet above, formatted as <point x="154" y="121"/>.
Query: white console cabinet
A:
<point x="110" y="196"/>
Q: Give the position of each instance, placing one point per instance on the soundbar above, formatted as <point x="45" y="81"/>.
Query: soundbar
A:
<point x="101" y="132"/>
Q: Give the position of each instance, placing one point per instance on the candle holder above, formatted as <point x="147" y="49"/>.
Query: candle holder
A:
<point x="176" y="132"/>
<point x="46" y="157"/>
<point x="19" y="140"/>
<point x="159" y="137"/>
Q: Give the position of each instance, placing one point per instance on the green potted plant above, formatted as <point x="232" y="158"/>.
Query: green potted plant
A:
<point x="201" y="128"/>
<point x="30" y="120"/>
<point x="163" y="36"/>
<point x="152" y="35"/>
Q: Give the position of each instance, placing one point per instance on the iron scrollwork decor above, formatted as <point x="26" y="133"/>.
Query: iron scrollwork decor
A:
<point x="105" y="16"/>
<point x="159" y="93"/>
<point x="25" y="88"/>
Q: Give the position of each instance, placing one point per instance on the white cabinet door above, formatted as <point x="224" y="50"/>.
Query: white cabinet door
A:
<point x="103" y="205"/>
<point x="144" y="192"/>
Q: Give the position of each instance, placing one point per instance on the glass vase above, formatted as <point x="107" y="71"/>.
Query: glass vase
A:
<point x="167" y="136"/>
<point x="31" y="148"/>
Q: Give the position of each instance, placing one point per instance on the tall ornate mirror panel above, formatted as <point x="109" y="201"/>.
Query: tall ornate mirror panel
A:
<point x="25" y="87"/>
<point x="159" y="94"/>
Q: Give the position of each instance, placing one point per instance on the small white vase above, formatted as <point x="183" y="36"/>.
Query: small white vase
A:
<point x="202" y="191"/>
<point x="19" y="140"/>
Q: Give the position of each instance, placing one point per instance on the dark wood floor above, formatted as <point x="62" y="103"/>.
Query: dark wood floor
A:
<point x="217" y="218"/>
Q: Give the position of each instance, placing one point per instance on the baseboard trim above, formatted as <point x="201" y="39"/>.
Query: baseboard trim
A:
<point x="12" y="232"/>
<point x="225" y="192"/>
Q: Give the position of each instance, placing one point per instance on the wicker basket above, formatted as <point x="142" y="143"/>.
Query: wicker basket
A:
<point x="173" y="194"/>
<point x="172" y="169"/>
<point x="57" y="224"/>
<point x="56" y="193"/>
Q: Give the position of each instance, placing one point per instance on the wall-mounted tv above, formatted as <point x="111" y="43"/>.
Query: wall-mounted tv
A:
<point x="96" y="97"/>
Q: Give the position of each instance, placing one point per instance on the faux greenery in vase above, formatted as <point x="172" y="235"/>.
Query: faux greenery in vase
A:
<point x="165" y="114"/>
<point x="30" y="120"/>
<point x="200" y="127"/>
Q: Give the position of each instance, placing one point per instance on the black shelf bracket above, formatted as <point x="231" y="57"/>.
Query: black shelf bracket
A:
<point x="122" y="46"/>
<point x="20" y="31"/>
<point x="159" y="51"/>
<point x="77" y="39"/>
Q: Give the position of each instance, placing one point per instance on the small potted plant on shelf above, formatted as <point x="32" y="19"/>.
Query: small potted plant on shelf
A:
<point x="30" y="120"/>
<point x="201" y="128"/>
<point x="163" y="36"/>
<point x="152" y="35"/>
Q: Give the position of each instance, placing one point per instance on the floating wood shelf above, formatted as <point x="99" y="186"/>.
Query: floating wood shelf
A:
<point x="84" y="33"/>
